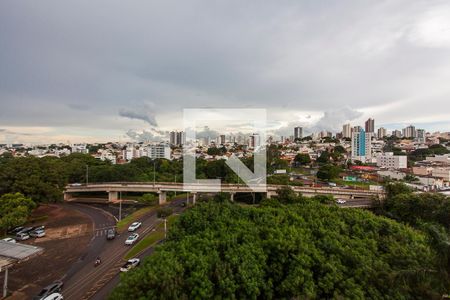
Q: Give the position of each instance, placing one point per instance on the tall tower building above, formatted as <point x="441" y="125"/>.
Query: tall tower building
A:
<point x="172" y="137"/>
<point x="409" y="132"/>
<point x="382" y="132"/>
<point x="361" y="145"/>
<point x="347" y="131"/>
<point x="370" y="125"/>
<point x="420" y="135"/>
<point x="298" y="132"/>
<point x="397" y="133"/>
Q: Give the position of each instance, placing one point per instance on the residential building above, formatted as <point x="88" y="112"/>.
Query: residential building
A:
<point x="298" y="132"/>
<point x="390" y="161"/>
<point x="177" y="138"/>
<point x="255" y="140"/>
<point x="370" y="125"/>
<point x="420" y="135"/>
<point x="222" y="139"/>
<point x="361" y="145"/>
<point x="397" y="133"/>
<point x="80" y="148"/>
<point x="443" y="159"/>
<point x="409" y="132"/>
<point x="158" y="151"/>
<point x="443" y="173"/>
<point x="347" y="131"/>
<point x="382" y="132"/>
<point x="356" y="129"/>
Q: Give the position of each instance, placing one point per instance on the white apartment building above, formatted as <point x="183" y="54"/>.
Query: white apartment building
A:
<point x="158" y="151"/>
<point x="80" y="148"/>
<point x="390" y="161"/>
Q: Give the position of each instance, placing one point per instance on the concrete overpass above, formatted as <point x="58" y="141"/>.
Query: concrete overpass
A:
<point x="161" y="188"/>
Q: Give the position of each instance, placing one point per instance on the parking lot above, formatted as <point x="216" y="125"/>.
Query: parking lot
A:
<point x="66" y="228"/>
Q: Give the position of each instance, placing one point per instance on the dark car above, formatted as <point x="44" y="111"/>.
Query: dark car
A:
<point x="111" y="234"/>
<point x="26" y="230"/>
<point x="55" y="287"/>
<point x="15" y="230"/>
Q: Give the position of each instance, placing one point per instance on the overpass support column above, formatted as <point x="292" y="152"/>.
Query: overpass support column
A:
<point x="113" y="196"/>
<point x="67" y="196"/>
<point x="232" y="196"/>
<point x="194" y="198"/>
<point x="162" y="197"/>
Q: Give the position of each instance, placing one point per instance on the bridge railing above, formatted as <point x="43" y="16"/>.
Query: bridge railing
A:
<point x="160" y="185"/>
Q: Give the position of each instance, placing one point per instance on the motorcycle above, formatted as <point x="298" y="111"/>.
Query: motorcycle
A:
<point x="97" y="262"/>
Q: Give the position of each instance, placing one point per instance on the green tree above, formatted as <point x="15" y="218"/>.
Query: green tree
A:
<point x="302" y="158"/>
<point x="328" y="172"/>
<point x="297" y="251"/>
<point x="14" y="210"/>
<point x="324" y="157"/>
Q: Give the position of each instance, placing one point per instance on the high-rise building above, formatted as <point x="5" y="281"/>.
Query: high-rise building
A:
<point x="409" y="132"/>
<point x="397" y="133"/>
<point x="298" y="132"/>
<point x="177" y="138"/>
<point x="356" y="129"/>
<point x="382" y="132"/>
<point x="347" y="131"/>
<point x="222" y="139"/>
<point x="370" y="125"/>
<point x="172" y="137"/>
<point x="420" y="135"/>
<point x="255" y="140"/>
<point x="361" y="145"/>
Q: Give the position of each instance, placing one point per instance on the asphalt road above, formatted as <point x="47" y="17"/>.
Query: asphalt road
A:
<point x="101" y="220"/>
<point x="84" y="280"/>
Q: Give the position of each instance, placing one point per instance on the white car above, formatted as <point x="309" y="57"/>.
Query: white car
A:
<point x="54" y="296"/>
<point x="132" y="239"/>
<point x="38" y="233"/>
<point x="130" y="264"/>
<point x="22" y="236"/>
<point x="11" y="240"/>
<point x="134" y="226"/>
<point x="340" y="201"/>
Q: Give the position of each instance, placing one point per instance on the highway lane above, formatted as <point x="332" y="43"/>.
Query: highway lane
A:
<point x="100" y="220"/>
<point x="106" y="290"/>
<point x="88" y="279"/>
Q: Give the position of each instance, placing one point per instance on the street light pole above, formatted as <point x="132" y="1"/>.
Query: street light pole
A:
<point x="165" y="228"/>
<point x="175" y="184"/>
<point x="154" y="173"/>
<point x="87" y="174"/>
<point x="120" y="206"/>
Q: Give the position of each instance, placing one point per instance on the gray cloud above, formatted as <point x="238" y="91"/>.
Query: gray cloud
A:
<point x="292" y="55"/>
<point x="144" y="113"/>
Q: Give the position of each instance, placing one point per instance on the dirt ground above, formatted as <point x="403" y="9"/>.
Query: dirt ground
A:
<point x="65" y="229"/>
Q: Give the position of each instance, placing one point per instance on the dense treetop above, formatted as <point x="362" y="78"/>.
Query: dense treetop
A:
<point x="304" y="250"/>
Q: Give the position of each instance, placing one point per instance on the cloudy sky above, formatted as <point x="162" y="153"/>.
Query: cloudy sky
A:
<point x="95" y="70"/>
